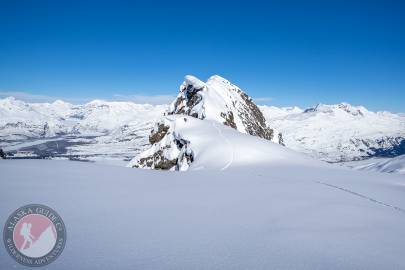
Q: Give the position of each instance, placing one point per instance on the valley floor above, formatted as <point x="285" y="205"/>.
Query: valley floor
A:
<point x="278" y="216"/>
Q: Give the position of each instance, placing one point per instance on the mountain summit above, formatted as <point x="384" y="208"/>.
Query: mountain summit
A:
<point x="217" y="101"/>
<point x="221" y="101"/>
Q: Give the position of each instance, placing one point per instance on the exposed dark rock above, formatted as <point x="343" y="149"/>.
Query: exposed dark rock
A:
<point x="254" y="121"/>
<point x="229" y="120"/>
<point x="157" y="161"/>
<point x="185" y="103"/>
<point x="157" y="136"/>
<point x="2" y="154"/>
<point x="396" y="147"/>
<point x="45" y="130"/>
<point x="280" y="139"/>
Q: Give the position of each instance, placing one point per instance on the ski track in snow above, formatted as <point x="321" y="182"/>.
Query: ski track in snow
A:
<point x="229" y="144"/>
<point x="362" y="196"/>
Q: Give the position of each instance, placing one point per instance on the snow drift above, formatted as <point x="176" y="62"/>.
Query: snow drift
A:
<point x="277" y="215"/>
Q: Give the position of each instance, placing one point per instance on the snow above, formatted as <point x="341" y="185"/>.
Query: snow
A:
<point x="92" y="118"/>
<point x="340" y="132"/>
<point x="274" y="215"/>
<point x="218" y="147"/>
<point x="386" y="165"/>
<point x="244" y="203"/>
<point x="191" y="80"/>
<point x="219" y="98"/>
<point x="113" y="130"/>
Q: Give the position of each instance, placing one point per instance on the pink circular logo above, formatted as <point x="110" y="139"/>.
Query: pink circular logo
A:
<point x="34" y="235"/>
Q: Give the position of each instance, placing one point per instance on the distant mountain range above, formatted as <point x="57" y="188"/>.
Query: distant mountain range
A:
<point x="118" y="131"/>
<point x="95" y="130"/>
<point x="340" y="132"/>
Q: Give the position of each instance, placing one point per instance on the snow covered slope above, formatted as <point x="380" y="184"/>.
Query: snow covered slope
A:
<point x="278" y="215"/>
<point x="339" y="132"/>
<point x="213" y="146"/>
<point x="387" y="165"/>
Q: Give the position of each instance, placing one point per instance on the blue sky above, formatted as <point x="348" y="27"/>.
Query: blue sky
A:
<point x="281" y="52"/>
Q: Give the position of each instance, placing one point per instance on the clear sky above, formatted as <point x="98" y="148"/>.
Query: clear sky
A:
<point x="281" y="52"/>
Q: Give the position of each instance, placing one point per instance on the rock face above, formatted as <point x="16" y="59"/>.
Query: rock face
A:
<point x="216" y="100"/>
<point x="221" y="101"/>
<point x="169" y="150"/>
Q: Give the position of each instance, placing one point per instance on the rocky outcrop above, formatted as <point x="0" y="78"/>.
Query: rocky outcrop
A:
<point x="169" y="150"/>
<point x="216" y="100"/>
<point x="156" y="161"/>
<point x="221" y="101"/>
<point x="158" y="133"/>
<point x="254" y="121"/>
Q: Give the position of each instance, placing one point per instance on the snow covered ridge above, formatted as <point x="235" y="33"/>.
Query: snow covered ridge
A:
<point x="182" y="142"/>
<point x="217" y="101"/>
<point x="339" y="132"/>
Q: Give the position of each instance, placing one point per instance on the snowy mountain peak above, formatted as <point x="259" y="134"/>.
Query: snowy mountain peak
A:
<point x="190" y="80"/>
<point x="221" y="101"/>
<point x="338" y="108"/>
<point x="218" y="102"/>
<point x="218" y="79"/>
<point x="97" y="102"/>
